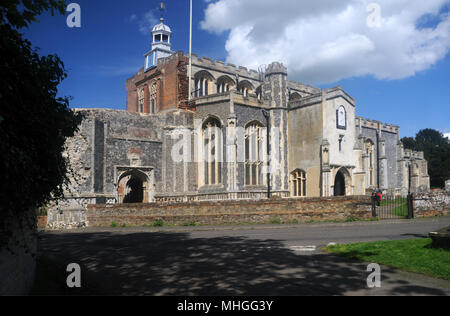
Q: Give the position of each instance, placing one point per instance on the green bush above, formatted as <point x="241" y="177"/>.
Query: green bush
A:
<point x="158" y="223"/>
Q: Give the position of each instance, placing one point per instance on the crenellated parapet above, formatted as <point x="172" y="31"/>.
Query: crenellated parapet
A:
<point x="373" y="124"/>
<point x="221" y="66"/>
<point x="276" y="68"/>
<point x="414" y="155"/>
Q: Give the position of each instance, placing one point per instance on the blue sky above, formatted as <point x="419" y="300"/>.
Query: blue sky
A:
<point x="412" y="92"/>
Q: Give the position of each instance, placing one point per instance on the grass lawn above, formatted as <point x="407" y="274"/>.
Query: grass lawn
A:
<point x="413" y="255"/>
<point x="398" y="206"/>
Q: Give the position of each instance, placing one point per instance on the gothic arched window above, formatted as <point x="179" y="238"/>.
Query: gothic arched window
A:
<point x="153" y="95"/>
<point x="212" y="152"/>
<point x="245" y="88"/>
<point x="224" y="84"/>
<point x="259" y="93"/>
<point x="341" y="118"/>
<point x="298" y="183"/>
<point x="369" y="151"/>
<point x="254" y="153"/>
<point x="201" y="84"/>
<point x="141" y="100"/>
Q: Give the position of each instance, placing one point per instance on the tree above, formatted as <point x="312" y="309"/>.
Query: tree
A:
<point x="34" y="122"/>
<point x="436" y="150"/>
<point x="409" y="143"/>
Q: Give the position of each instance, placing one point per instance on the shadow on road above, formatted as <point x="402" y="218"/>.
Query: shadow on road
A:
<point x="176" y="264"/>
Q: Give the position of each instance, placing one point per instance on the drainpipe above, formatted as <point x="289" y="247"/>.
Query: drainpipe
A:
<point x="267" y="116"/>
<point x="378" y="159"/>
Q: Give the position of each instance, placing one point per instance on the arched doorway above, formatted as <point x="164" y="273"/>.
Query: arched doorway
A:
<point x="339" y="184"/>
<point x="133" y="187"/>
<point x="135" y="191"/>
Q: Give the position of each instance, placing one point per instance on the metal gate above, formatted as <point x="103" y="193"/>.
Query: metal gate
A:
<point x="393" y="207"/>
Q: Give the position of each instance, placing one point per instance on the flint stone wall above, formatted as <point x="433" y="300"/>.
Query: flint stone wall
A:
<point x="435" y="203"/>
<point x="67" y="219"/>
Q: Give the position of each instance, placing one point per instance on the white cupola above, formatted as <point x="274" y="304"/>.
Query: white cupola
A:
<point x="161" y="46"/>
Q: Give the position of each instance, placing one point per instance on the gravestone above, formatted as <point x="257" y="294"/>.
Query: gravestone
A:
<point x="441" y="238"/>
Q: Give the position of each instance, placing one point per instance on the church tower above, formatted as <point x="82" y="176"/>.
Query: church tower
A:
<point x="161" y="46"/>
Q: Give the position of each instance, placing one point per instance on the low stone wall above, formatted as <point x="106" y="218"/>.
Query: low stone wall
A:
<point x="232" y="212"/>
<point x="434" y="203"/>
<point x="67" y="219"/>
<point x="18" y="247"/>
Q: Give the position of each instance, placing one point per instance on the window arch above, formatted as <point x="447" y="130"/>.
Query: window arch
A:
<point x="153" y="98"/>
<point x="341" y="117"/>
<point x="224" y="84"/>
<point x="245" y="87"/>
<point x="295" y="96"/>
<point x="298" y="183"/>
<point x="254" y="154"/>
<point x="141" y="100"/>
<point x="203" y="79"/>
<point x="212" y="142"/>
<point x="259" y="93"/>
<point x="369" y="152"/>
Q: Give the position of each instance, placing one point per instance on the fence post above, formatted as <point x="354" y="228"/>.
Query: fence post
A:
<point x="410" y="206"/>
<point x="374" y="206"/>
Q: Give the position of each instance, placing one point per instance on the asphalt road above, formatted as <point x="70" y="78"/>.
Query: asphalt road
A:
<point x="245" y="260"/>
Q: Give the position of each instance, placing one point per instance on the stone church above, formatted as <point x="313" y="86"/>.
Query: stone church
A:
<point x="240" y="134"/>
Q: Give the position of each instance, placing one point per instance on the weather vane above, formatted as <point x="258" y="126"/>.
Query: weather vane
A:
<point x="162" y="9"/>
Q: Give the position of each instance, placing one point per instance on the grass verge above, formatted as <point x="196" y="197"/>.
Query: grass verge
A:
<point x="413" y="255"/>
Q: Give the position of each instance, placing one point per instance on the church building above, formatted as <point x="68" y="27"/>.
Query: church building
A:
<point x="237" y="134"/>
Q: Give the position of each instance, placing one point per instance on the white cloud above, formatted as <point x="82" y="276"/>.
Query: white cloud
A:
<point x="322" y="41"/>
<point x="145" y="22"/>
<point x="447" y="135"/>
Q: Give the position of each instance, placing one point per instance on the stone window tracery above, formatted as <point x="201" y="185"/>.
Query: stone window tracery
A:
<point x="298" y="183"/>
<point x="153" y="96"/>
<point x="141" y="100"/>
<point x="212" y="152"/>
<point x="201" y="84"/>
<point x="254" y="153"/>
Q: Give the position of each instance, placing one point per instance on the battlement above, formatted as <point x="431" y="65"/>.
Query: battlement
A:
<point x="276" y="68"/>
<point x="225" y="67"/>
<point x="169" y="59"/>
<point x="377" y="125"/>
<point x="411" y="154"/>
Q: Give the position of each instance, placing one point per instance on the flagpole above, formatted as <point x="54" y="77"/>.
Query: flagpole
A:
<point x="190" y="54"/>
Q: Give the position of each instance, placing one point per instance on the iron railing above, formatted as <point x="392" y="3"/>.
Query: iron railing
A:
<point x="392" y="207"/>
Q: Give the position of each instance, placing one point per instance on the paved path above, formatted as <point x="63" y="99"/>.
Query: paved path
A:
<point x="256" y="260"/>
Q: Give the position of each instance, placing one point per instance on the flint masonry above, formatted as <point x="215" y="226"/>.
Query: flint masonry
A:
<point x="318" y="146"/>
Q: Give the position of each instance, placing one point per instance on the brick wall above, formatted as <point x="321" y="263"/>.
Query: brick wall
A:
<point x="172" y="84"/>
<point x="231" y="212"/>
